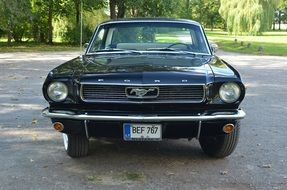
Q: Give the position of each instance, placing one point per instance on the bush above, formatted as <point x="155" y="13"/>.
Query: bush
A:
<point x="2" y="33"/>
<point x="73" y="33"/>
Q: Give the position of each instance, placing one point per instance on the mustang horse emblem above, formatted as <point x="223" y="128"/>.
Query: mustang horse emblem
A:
<point x="141" y="92"/>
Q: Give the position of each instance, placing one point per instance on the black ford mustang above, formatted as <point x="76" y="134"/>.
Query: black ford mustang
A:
<point x="146" y="80"/>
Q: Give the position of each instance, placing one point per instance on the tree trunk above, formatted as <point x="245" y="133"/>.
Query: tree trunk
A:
<point x="187" y="4"/>
<point x="211" y="22"/>
<point x="77" y="6"/>
<point x="273" y="27"/>
<point x="121" y="9"/>
<point x="50" y="23"/>
<point x="113" y="9"/>
<point x="42" y="38"/>
<point x="9" y="37"/>
<point x="9" y="33"/>
<point x="279" y="20"/>
<point x="35" y="31"/>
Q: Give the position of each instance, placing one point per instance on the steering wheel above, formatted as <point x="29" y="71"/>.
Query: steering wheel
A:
<point x="179" y="43"/>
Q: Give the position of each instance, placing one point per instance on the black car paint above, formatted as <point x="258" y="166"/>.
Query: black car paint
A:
<point x="144" y="68"/>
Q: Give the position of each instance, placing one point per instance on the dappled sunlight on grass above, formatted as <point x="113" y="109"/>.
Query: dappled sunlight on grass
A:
<point x="274" y="37"/>
<point x="267" y="48"/>
<point x="36" y="47"/>
<point x="270" y="43"/>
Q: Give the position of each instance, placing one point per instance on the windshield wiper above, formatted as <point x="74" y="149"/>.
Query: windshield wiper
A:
<point x="161" y="49"/>
<point x="118" y="50"/>
<point x="173" y="50"/>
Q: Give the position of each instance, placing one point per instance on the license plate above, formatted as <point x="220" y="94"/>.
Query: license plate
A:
<point x="144" y="132"/>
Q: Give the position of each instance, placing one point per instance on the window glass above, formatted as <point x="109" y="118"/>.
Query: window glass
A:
<point x="151" y="36"/>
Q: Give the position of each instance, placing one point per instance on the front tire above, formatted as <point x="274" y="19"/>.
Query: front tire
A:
<point x="75" y="145"/>
<point x="220" y="146"/>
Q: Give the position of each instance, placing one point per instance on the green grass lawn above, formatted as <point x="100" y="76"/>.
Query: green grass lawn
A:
<point x="35" y="47"/>
<point x="272" y="43"/>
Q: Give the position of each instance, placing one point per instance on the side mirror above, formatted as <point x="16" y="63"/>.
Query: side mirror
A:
<point x="85" y="46"/>
<point x="214" y="47"/>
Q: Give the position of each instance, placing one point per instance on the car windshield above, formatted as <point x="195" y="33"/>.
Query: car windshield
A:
<point x="149" y="37"/>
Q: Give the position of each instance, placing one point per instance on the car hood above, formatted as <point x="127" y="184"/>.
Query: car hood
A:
<point x="143" y="69"/>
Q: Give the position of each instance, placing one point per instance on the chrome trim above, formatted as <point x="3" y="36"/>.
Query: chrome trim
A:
<point x="205" y="40"/>
<point x="149" y="52"/>
<point x="146" y="101"/>
<point x="199" y="130"/>
<point x="239" y="114"/>
<point x="139" y="84"/>
<point x="91" y="43"/>
<point x="86" y="129"/>
<point x="138" y="101"/>
<point x="179" y="21"/>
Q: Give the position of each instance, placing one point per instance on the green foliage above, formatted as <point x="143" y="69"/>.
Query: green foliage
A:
<point x="72" y="30"/>
<point x="72" y="34"/>
<point x="282" y="10"/>
<point x="151" y="8"/>
<point x="14" y="18"/>
<point x="44" y="11"/>
<point x="252" y="16"/>
<point x="43" y="20"/>
<point x="1" y="33"/>
<point x="204" y="11"/>
<point x="207" y="12"/>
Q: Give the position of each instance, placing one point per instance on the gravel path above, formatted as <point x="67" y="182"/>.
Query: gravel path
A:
<point x="32" y="154"/>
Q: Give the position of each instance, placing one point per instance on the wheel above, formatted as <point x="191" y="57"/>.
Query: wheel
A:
<point x="76" y="145"/>
<point x="222" y="145"/>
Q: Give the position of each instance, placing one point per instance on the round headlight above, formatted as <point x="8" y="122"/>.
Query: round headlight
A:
<point x="229" y="92"/>
<point x="57" y="91"/>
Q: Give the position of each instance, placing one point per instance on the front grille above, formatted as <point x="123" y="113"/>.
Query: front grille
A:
<point x="167" y="93"/>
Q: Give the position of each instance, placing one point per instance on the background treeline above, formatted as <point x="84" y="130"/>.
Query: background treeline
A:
<point x="46" y="21"/>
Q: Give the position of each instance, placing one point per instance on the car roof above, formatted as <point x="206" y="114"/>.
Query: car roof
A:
<point x="138" y="20"/>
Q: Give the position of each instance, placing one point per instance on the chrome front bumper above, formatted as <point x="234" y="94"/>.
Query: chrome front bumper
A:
<point x="238" y="114"/>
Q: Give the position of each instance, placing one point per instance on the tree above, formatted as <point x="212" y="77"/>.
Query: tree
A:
<point x="15" y="18"/>
<point x="280" y="14"/>
<point x="252" y="16"/>
<point x="117" y="8"/>
<point x="203" y="11"/>
<point x="210" y="13"/>
<point x="88" y="5"/>
<point x="72" y="33"/>
<point x="150" y="8"/>
<point x="44" y="11"/>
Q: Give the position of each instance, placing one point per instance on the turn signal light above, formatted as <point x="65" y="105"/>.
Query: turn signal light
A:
<point x="228" y="128"/>
<point x="58" y="126"/>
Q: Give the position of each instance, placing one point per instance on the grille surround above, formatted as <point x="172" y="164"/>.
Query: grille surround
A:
<point x="116" y="93"/>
